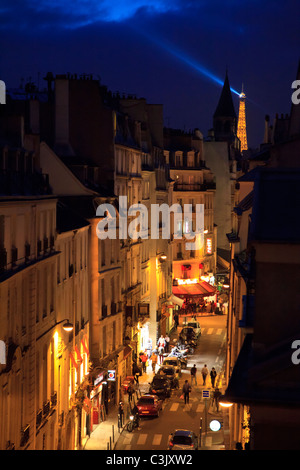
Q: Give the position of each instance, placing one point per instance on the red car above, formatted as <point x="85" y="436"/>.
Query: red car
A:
<point x="149" y="405"/>
<point x="128" y="380"/>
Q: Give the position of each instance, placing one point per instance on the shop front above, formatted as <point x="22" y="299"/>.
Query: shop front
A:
<point x="97" y="396"/>
<point x="198" y="295"/>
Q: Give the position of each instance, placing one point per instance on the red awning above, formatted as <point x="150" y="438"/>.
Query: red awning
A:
<point x="202" y="288"/>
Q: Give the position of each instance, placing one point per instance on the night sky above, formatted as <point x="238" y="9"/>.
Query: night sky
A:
<point x="173" y="53"/>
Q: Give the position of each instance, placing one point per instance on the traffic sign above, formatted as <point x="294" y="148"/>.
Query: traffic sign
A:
<point x="205" y="393"/>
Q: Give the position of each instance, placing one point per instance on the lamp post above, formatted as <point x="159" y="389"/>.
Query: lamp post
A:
<point x="224" y="402"/>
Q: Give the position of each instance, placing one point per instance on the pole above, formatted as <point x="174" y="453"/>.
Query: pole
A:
<point x="205" y="419"/>
<point x="200" y="433"/>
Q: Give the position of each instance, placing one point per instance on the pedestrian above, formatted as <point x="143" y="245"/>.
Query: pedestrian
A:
<point x="153" y="361"/>
<point x="121" y="414"/>
<point x="204" y="373"/>
<point x="144" y="359"/>
<point x="161" y="354"/>
<point x="161" y="342"/>
<point x="193" y="374"/>
<point x="167" y="342"/>
<point x="216" y="398"/>
<point x="130" y="391"/>
<point x="186" y="390"/>
<point x="136" y="379"/>
<point x="176" y="320"/>
<point x="213" y="375"/>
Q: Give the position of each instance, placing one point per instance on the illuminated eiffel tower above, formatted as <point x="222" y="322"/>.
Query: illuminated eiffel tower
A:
<point x="241" y="130"/>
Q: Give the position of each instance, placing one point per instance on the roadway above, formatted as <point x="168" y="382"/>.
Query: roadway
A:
<point x="153" y="433"/>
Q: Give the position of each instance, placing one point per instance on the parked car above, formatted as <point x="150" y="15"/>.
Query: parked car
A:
<point x="183" y="439"/>
<point x="173" y="361"/>
<point x="171" y="374"/>
<point x="149" y="405"/>
<point x="187" y="334"/>
<point x="196" y="327"/>
<point x="160" y="386"/>
<point x="128" y="380"/>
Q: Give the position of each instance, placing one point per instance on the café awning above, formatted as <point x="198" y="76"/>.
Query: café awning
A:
<point x="202" y="288"/>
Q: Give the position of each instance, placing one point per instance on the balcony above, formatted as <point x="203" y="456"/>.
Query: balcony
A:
<point x="194" y="186"/>
<point x="25" y="433"/>
<point x="39" y="418"/>
<point x="46" y="408"/>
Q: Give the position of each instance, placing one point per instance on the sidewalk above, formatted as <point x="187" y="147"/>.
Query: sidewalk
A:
<point x="106" y="434"/>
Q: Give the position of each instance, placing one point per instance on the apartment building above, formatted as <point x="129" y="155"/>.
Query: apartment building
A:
<point x="192" y="183"/>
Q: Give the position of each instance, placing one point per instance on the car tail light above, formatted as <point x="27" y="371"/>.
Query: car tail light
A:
<point x="171" y="444"/>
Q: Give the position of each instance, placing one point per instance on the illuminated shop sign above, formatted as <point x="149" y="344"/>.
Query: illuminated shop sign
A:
<point x="111" y="375"/>
<point x="209" y="246"/>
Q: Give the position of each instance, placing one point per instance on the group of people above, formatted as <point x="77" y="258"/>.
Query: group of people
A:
<point x="187" y="387"/>
<point x="154" y="357"/>
<point x="190" y="306"/>
<point x="204" y="372"/>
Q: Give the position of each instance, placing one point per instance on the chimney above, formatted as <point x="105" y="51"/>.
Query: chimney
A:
<point x="266" y="135"/>
<point x="62" y="145"/>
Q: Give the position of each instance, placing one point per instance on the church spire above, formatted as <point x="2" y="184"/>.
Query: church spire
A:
<point x="242" y="131"/>
<point x="225" y="119"/>
<point x="225" y="106"/>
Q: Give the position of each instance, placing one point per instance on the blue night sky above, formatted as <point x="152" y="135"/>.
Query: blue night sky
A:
<point x="171" y="53"/>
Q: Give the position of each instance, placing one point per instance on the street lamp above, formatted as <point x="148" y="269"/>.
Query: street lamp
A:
<point x="67" y="326"/>
<point x="224" y="402"/>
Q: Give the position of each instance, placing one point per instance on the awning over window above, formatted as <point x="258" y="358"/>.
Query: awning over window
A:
<point x="175" y="300"/>
<point x="202" y="288"/>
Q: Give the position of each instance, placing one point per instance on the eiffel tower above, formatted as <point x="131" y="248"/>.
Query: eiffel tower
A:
<point x="241" y="131"/>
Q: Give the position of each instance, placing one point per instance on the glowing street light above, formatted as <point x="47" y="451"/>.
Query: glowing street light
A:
<point x="68" y="326"/>
<point x="224" y="402"/>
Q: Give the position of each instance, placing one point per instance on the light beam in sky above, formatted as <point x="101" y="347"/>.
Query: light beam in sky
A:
<point x="186" y="59"/>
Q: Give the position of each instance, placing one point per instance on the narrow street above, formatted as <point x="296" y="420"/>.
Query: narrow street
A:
<point x="153" y="433"/>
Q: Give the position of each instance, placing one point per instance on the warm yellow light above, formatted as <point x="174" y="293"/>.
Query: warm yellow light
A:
<point x="187" y="281"/>
<point x="205" y="231"/>
<point x="68" y="326"/>
<point x="225" y="403"/>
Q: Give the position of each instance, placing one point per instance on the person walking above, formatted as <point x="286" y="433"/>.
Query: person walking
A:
<point x="213" y="375"/>
<point x="176" y="320"/>
<point x="167" y="342"/>
<point x="144" y="359"/>
<point x="216" y="398"/>
<point x="204" y="373"/>
<point x="130" y="391"/>
<point x="193" y="374"/>
<point x="153" y="361"/>
<point x="186" y="390"/>
<point x="161" y="354"/>
<point x="161" y="342"/>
